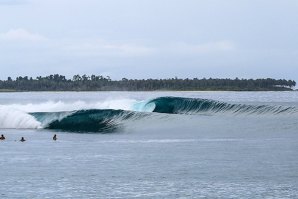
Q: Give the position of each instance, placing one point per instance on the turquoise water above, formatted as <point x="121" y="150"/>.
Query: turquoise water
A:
<point x="149" y="145"/>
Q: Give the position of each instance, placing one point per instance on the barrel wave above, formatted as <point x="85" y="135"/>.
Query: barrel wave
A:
<point x="178" y="105"/>
<point x="94" y="120"/>
<point x="141" y="113"/>
<point x="110" y="120"/>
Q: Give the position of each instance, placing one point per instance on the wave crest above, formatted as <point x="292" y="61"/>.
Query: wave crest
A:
<point x="178" y="105"/>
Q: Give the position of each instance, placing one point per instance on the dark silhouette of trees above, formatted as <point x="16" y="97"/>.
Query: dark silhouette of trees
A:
<point x="58" y="82"/>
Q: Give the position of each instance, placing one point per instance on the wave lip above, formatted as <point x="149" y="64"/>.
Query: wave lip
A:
<point x="179" y="105"/>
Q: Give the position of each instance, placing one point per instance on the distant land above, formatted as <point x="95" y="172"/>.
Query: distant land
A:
<point x="58" y="82"/>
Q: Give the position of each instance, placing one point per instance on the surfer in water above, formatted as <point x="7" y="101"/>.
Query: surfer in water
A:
<point x="22" y="139"/>
<point x="2" y="137"/>
<point x="55" y="137"/>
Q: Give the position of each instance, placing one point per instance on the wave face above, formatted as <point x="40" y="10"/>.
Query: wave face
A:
<point x="178" y="105"/>
<point x="94" y="120"/>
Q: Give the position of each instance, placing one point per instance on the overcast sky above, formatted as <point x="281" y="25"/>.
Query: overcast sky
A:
<point x="150" y="38"/>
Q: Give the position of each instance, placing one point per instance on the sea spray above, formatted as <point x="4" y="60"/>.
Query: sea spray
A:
<point x="10" y="118"/>
<point x="58" y="106"/>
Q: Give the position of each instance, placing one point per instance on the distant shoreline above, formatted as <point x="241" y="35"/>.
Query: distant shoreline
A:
<point x="60" y="91"/>
<point x="100" y="83"/>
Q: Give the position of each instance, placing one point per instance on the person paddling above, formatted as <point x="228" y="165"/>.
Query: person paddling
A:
<point x="55" y="137"/>
<point x="2" y="137"/>
<point x="22" y="139"/>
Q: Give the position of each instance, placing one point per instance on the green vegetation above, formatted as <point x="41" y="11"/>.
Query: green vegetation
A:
<point x="100" y="83"/>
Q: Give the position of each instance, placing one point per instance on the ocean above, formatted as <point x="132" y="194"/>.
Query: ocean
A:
<point x="149" y="145"/>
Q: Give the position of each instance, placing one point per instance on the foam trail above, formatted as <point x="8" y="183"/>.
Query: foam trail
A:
<point x="58" y="106"/>
<point x="10" y="118"/>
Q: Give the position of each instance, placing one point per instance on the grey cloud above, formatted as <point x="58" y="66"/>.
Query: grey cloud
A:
<point x="150" y="38"/>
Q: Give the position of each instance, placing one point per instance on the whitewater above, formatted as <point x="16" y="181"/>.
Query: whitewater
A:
<point x="81" y="113"/>
<point x="149" y="145"/>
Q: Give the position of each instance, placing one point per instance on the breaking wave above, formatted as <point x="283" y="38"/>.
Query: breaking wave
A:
<point x="178" y="105"/>
<point x="92" y="118"/>
<point x="10" y="118"/>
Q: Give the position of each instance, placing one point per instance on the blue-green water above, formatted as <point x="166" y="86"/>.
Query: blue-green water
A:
<point x="149" y="145"/>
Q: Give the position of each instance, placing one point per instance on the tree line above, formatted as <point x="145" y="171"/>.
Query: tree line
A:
<point x="58" y="82"/>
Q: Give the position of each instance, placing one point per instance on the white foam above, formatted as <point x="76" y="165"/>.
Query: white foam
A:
<point x="144" y="106"/>
<point x="16" y="115"/>
<point x="56" y="106"/>
<point x="10" y="118"/>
